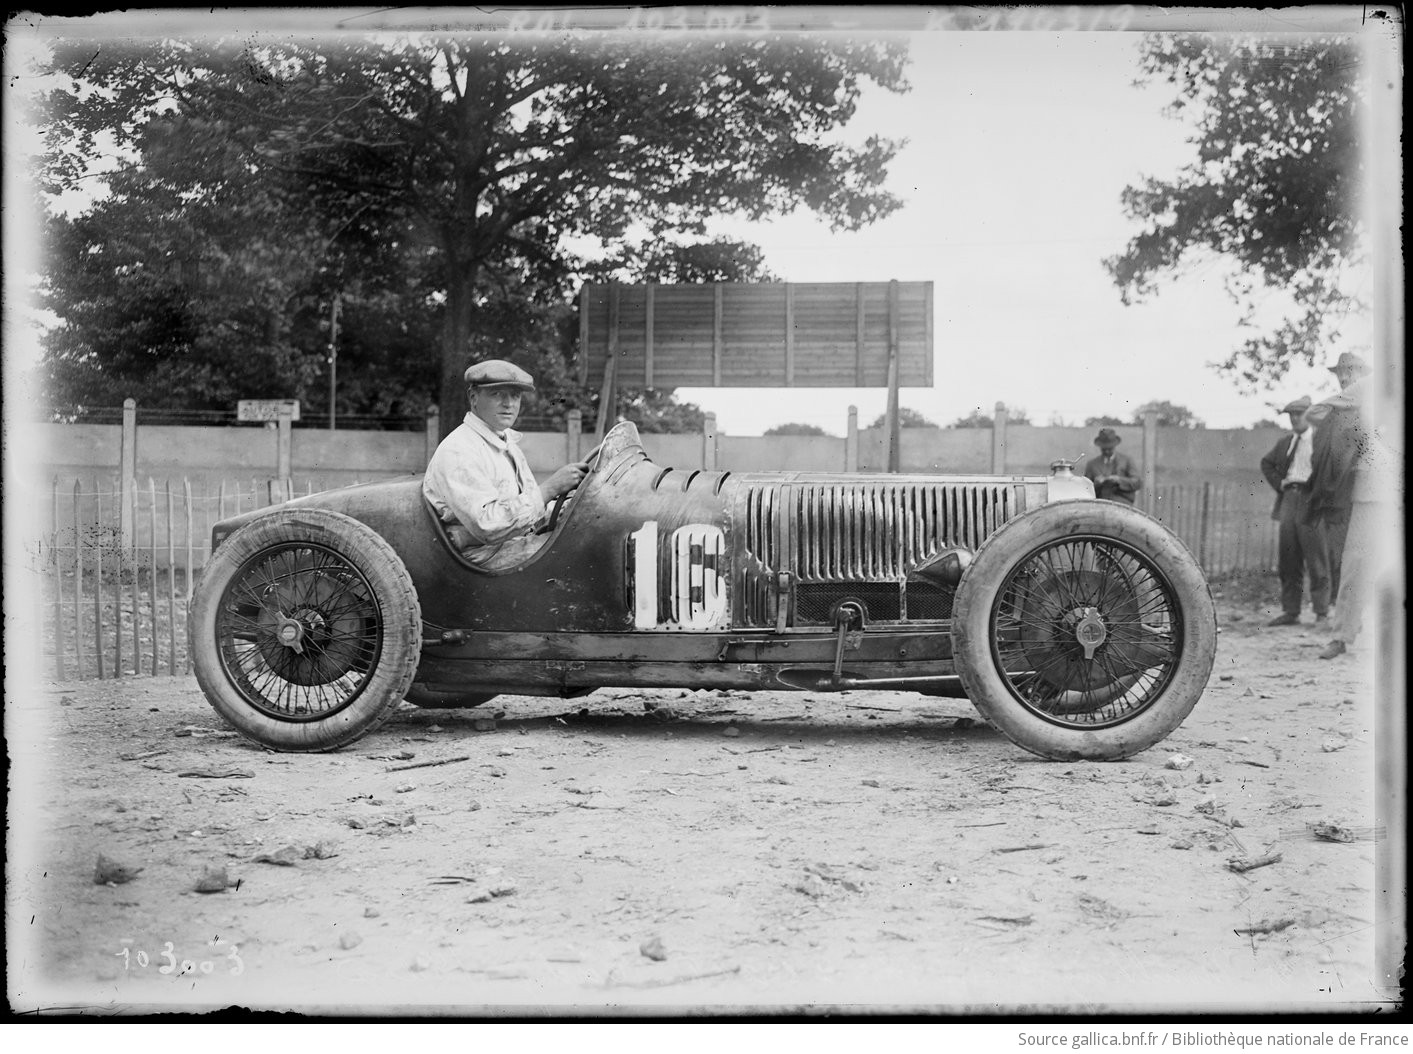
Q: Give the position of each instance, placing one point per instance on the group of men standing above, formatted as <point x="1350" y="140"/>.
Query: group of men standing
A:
<point x="1318" y="472"/>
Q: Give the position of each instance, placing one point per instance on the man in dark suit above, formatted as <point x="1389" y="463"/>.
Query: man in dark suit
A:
<point x="1302" y="547"/>
<point x="1113" y="474"/>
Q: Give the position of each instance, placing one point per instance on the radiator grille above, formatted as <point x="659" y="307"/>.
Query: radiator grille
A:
<point x="870" y="532"/>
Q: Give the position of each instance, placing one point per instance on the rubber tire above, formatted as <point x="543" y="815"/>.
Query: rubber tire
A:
<point x="392" y="589"/>
<point x="971" y="630"/>
<point x="432" y="699"/>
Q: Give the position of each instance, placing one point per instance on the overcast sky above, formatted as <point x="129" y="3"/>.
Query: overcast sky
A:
<point x="1020" y="144"/>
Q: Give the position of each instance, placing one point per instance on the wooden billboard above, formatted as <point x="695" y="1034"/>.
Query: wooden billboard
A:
<point x="761" y="335"/>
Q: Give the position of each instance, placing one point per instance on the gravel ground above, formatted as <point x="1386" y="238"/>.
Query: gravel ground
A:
<point x="703" y="852"/>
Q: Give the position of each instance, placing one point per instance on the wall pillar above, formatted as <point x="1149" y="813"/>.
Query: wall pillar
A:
<point x="433" y="432"/>
<point x="709" y="442"/>
<point x="574" y="430"/>
<point x="127" y="472"/>
<point x="998" y="441"/>
<point x="851" y="441"/>
<point x="1149" y="504"/>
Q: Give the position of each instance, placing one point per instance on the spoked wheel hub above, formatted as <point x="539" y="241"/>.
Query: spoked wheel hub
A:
<point x="1086" y="631"/>
<point x="300" y="632"/>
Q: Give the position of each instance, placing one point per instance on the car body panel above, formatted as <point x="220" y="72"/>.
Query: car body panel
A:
<point x="656" y="576"/>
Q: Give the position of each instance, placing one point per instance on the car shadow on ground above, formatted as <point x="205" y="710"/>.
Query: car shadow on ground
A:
<point x="750" y="731"/>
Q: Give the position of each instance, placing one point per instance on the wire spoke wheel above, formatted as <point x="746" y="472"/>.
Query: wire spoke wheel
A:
<point x="300" y="632"/>
<point x="305" y="630"/>
<point x="1086" y="632"/>
<point x="1084" y="629"/>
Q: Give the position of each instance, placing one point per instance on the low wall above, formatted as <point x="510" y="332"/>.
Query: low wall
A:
<point x="1185" y="457"/>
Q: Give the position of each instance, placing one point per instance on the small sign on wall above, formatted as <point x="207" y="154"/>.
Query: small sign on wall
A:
<point x="266" y="409"/>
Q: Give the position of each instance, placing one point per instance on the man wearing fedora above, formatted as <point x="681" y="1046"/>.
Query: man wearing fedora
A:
<point x="1342" y="496"/>
<point x="479" y="481"/>
<point x="1301" y="544"/>
<point x="1113" y="474"/>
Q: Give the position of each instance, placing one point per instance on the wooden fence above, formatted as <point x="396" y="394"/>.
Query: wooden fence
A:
<point x="117" y="565"/>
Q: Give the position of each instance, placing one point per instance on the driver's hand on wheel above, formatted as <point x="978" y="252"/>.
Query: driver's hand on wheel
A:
<point x="564" y="480"/>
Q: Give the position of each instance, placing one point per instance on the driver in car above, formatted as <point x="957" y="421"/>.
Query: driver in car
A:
<point x="479" y="481"/>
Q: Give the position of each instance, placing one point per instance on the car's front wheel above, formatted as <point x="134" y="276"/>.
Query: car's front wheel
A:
<point x="305" y="630"/>
<point x="1084" y="629"/>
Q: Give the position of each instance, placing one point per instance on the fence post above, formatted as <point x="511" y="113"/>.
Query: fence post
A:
<point x="851" y="441"/>
<point x="190" y="557"/>
<point x="1202" y="526"/>
<point x="78" y="585"/>
<point x="998" y="441"/>
<point x="432" y="435"/>
<point x="282" y="451"/>
<point x="98" y="578"/>
<point x="709" y="441"/>
<point x="1150" y="461"/>
<point x="58" y="588"/>
<point x="127" y="471"/>
<point x="171" y="585"/>
<point x="574" y="429"/>
<point x="152" y="572"/>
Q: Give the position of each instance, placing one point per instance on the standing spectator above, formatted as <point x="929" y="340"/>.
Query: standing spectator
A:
<point x="1345" y="492"/>
<point x="1301" y="544"/>
<point x="1113" y="474"/>
<point x="1338" y="429"/>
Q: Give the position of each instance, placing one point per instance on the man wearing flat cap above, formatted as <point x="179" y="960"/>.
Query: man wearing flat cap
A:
<point x="1301" y="547"/>
<point x="1113" y="474"/>
<point x="479" y="481"/>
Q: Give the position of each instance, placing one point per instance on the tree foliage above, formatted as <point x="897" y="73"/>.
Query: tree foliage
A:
<point x="459" y="166"/>
<point x="906" y="419"/>
<point x="796" y="428"/>
<point x="1272" y="187"/>
<point x="1170" y="415"/>
<point x="978" y="419"/>
<point x="1103" y="420"/>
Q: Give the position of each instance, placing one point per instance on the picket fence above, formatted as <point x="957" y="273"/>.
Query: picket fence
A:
<point x="117" y="565"/>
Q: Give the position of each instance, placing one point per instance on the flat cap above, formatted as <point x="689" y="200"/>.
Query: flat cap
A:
<point x="497" y="373"/>
<point x="1297" y="406"/>
<point x="1108" y="435"/>
<point x="1350" y="361"/>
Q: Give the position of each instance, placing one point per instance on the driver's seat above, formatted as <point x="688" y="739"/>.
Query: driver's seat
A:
<point x="488" y="559"/>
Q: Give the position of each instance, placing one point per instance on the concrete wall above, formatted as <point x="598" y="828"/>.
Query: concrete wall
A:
<point x="1185" y="456"/>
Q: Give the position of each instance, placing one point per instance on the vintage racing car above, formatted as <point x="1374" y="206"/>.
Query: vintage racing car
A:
<point x="1080" y="628"/>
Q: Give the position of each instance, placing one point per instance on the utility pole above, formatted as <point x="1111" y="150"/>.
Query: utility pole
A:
<point x="333" y="356"/>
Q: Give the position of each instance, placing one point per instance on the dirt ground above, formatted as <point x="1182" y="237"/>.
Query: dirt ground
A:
<point x="702" y="852"/>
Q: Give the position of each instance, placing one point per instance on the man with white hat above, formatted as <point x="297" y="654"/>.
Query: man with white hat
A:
<point x="1301" y="544"/>
<point x="1338" y="422"/>
<point x="479" y="481"/>
<point x="1344" y="493"/>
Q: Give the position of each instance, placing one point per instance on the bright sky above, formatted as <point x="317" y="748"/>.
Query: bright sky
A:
<point x="1020" y="144"/>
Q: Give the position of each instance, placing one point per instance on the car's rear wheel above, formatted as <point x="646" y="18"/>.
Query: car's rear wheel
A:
<point x="1084" y="629"/>
<point x="305" y="630"/>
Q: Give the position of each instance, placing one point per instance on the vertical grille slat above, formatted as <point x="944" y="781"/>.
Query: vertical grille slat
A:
<point x="869" y="532"/>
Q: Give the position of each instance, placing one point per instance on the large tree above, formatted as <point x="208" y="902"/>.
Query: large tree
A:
<point x="484" y="152"/>
<point x="1272" y="188"/>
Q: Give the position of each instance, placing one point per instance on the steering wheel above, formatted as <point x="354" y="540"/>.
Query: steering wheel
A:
<point x="557" y="507"/>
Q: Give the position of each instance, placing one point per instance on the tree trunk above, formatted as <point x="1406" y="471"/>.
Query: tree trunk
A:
<point x="456" y="347"/>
